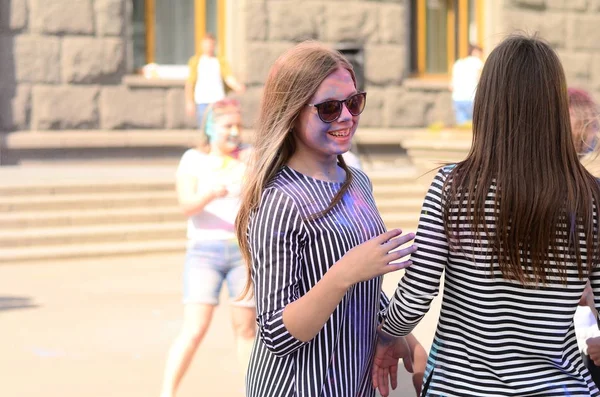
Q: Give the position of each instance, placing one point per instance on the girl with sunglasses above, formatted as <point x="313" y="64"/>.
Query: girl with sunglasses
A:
<point x="312" y="237"/>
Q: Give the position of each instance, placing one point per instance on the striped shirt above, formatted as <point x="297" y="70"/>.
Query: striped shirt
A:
<point x="290" y="254"/>
<point x="494" y="336"/>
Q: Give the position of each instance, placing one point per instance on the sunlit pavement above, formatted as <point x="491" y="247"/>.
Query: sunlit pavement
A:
<point x="102" y="328"/>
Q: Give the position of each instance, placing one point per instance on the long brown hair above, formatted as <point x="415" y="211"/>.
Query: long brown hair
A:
<point x="292" y="81"/>
<point x="522" y="145"/>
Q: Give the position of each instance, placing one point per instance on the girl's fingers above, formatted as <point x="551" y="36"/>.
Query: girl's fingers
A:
<point x="375" y="376"/>
<point x="401" y="253"/>
<point x="383" y="383"/>
<point x="397" y="242"/>
<point x="393" y="267"/>
<point x="385" y="237"/>
<point x="394" y="376"/>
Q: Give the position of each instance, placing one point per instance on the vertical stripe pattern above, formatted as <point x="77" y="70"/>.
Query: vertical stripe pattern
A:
<point x="495" y="337"/>
<point x="290" y="254"/>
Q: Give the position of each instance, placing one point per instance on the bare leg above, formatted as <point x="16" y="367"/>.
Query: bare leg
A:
<point x="196" y="319"/>
<point x="244" y="327"/>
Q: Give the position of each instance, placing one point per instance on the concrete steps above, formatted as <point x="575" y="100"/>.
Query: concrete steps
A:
<point x="431" y="150"/>
<point x="91" y="212"/>
<point x="399" y="196"/>
<point x="90" y="250"/>
<point x="77" y="218"/>
<point x="90" y="234"/>
<point x="91" y="200"/>
<point x="65" y="186"/>
<point x="81" y="217"/>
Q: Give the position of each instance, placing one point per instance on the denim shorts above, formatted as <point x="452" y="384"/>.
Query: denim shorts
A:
<point x="207" y="265"/>
<point x="200" y="110"/>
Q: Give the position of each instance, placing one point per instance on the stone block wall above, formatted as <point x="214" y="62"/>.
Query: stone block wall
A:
<point x="62" y="66"/>
<point x="66" y="64"/>
<point x="571" y="26"/>
<point x="378" y="27"/>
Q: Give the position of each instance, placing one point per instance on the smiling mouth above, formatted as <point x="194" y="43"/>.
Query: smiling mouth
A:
<point x="340" y="133"/>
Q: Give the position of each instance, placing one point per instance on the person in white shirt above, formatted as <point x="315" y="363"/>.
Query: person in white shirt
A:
<point x="465" y="76"/>
<point x="208" y="187"/>
<point x="208" y="80"/>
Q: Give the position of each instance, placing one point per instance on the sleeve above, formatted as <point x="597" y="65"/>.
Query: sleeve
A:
<point x="276" y="239"/>
<point x="421" y="281"/>
<point x="193" y="69"/>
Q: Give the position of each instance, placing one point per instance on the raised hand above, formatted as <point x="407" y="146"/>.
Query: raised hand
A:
<point x="377" y="257"/>
<point x="593" y="349"/>
<point x="220" y="191"/>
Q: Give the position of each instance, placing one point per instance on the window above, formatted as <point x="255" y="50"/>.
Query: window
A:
<point x="168" y="32"/>
<point x="441" y="33"/>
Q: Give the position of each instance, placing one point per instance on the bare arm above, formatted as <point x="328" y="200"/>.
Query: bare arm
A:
<point x="234" y="84"/>
<point x="190" y="201"/>
<point x="189" y="92"/>
<point x="190" y="104"/>
<point x="305" y="317"/>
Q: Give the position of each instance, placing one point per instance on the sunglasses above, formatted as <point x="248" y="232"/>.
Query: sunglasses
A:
<point x="330" y="111"/>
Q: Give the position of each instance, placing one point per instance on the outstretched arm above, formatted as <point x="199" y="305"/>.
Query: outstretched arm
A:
<point x="421" y="282"/>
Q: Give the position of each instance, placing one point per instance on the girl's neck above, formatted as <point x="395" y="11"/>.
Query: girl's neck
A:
<point x="326" y="169"/>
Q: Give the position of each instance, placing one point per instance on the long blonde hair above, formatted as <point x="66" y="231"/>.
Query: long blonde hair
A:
<point x="293" y="80"/>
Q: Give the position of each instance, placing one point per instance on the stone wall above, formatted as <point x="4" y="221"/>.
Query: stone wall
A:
<point x="571" y="26"/>
<point x="63" y="65"/>
<point x="379" y="27"/>
<point x="67" y="64"/>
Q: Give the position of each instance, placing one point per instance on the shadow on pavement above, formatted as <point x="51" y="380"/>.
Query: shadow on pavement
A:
<point x="16" y="302"/>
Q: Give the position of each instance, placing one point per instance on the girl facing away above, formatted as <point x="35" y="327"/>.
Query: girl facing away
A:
<point x="514" y="227"/>
<point x="315" y="243"/>
<point x="209" y="180"/>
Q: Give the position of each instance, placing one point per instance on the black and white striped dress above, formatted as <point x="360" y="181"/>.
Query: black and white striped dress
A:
<point x="290" y="254"/>
<point x="494" y="337"/>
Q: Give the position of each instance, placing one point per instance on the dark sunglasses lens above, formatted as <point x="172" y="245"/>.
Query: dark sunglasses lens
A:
<point x="330" y="111"/>
<point x="356" y="104"/>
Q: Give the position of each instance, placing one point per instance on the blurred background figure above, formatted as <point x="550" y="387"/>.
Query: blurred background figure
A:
<point x="209" y="78"/>
<point x="583" y="111"/>
<point x="584" y="120"/>
<point x="586" y="330"/>
<point x="208" y="186"/>
<point x="465" y="76"/>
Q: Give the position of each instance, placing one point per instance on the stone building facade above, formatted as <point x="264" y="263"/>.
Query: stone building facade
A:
<point x="68" y="64"/>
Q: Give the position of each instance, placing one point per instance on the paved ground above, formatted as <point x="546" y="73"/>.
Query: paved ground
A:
<point x="101" y="328"/>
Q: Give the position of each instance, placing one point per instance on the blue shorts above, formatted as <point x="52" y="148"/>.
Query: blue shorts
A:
<point x="463" y="111"/>
<point x="207" y="265"/>
<point x="200" y="110"/>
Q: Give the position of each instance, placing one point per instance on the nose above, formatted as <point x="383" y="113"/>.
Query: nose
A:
<point x="345" y="114"/>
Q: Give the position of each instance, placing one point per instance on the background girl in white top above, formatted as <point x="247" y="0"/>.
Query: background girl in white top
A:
<point x="208" y="185"/>
<point x="465" y="76"/>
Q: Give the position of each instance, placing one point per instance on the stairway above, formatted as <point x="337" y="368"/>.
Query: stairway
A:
<point x="134" y="215"/>
<point x="91" y="219"/>
<point x="399" y="196"/>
